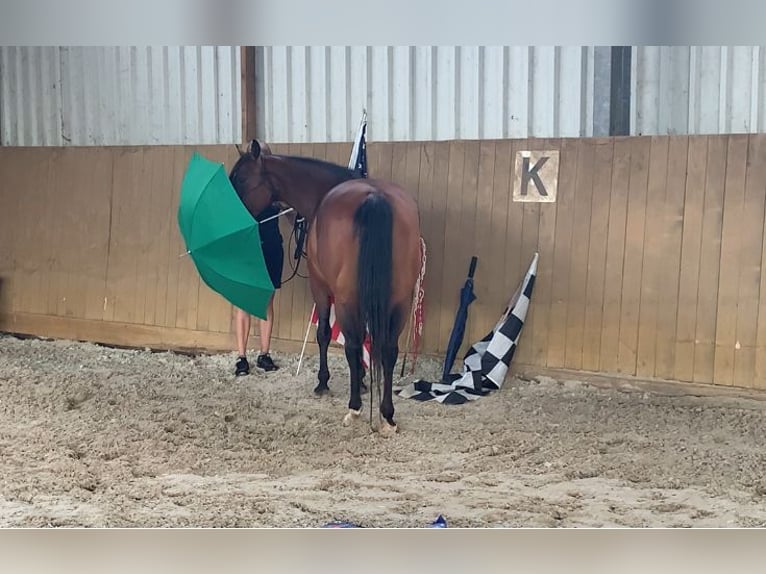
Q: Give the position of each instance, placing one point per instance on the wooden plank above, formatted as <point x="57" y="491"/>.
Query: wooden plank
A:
<point x="759" y="380"/>
<point x="658" y="388"/>
<point x="707" y="300"/>
<point x="9" y="202"/>
<point x="527" y="246"/>
<point x="188" y="280"/>
<point x="122" y="260"/>
<point x="496" y="289"/>
<point x="654" y="251"/>
<point x="615" y="251"/>
<point x="452" y="274"/>
<point x="691" y="245"/>
<point x="751" y="270"/>
<point x="412" y="157"/>
<point x="86" y="244"/>
<point x="565" y="205"/>
<point x="34" y="211"/>
<point x="578" y="260"/>
<point x="11" y="232"/>
<point x="427" y="198"/>
<point x="164" y="215"/>
<point x="444" y="297"/>
<point x="410" y="183"/>
<point x="733" y="235"/>
<point x="67" y="245"/>
<point x="536" y="339"/>
<point x="670" y="265"/>
<point x="144" y="240"/>
<point x="465" y="230"/>
<point x="96" y="211"/>
<point x="175" y="243"/>
<point x="633" y="261"/>
<point x="484" y="311"/>
<point x="599" y="230"/>
<point x="132" y="335"/>
<point x="398" y="163"/>
<point x="514" y="233"/>
<point x="52" y="278"/>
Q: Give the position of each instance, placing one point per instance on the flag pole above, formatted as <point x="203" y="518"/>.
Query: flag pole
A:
<point x="305" y="340"/>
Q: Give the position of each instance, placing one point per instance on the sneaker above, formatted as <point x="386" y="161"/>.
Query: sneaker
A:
<point x="264" y="362"/>
<point x="242" y="367"/>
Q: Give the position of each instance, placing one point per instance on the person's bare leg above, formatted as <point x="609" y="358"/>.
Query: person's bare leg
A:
<point x="266" y="328"/>
<point x="242" y="327"/>
<point x="264" y="359"/>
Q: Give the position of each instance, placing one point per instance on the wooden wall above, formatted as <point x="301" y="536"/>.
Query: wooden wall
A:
<point x="650" y="260"/>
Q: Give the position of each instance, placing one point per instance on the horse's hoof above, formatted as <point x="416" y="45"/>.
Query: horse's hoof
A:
<point x="363" y="388"/>
<point x="321" y="389"/>
<point x="387" y="430"/>
<point x="351" y="416"/>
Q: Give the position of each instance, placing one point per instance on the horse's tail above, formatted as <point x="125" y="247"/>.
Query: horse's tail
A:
<point x="373" y="223"/>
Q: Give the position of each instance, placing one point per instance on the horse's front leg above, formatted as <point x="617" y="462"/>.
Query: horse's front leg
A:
<point x="323" y="339"/>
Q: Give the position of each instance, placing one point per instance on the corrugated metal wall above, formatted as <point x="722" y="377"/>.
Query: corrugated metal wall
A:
<point x="317" y="93"/>
<point x="192" y="95"/>
<point x="698" y="90"/>
<point x="119" y="95"/>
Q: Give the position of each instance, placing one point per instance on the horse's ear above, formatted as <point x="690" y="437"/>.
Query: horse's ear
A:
<point x="265" y="149"/>
<point x="239" y="150"/>
<point x="254" y="149"/>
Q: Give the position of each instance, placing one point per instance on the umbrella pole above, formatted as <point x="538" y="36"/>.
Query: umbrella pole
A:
<point x="305" y="340"/>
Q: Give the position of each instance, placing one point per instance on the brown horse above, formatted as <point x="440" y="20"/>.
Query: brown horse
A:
<point x="363" y="250"/>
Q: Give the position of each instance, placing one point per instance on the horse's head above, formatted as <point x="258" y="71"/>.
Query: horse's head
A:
<point x="255" y="186"/>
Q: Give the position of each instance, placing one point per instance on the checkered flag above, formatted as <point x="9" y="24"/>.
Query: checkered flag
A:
<point x="487" y="362"/>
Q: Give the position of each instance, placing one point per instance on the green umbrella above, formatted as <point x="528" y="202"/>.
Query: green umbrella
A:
<point x="222" y="237"/>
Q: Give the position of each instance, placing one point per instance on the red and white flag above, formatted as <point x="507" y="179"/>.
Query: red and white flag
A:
<point x="336" y="334"/>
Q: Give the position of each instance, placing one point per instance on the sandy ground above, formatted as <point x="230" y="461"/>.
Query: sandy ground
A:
<point x="100" y="437"/>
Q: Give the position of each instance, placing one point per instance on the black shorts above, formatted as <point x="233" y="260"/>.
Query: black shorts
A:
<point x="274" y="254"/>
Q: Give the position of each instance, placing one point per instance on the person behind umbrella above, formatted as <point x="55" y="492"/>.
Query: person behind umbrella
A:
<point x="273" y="254"/>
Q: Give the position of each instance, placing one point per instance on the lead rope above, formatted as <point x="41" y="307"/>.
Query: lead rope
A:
<point x="416" y="323"/>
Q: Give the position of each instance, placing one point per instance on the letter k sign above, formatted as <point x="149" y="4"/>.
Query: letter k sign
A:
<point x="541" y="168"/>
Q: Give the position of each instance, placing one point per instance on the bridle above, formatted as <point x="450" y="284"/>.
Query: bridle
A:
<point x="300" y="227"/>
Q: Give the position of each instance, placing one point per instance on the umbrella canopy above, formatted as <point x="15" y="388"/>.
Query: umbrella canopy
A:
<point x="222" y="237"/>
<point x="467" y="297"/>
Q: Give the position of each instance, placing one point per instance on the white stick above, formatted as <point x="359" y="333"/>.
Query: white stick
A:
<point x="305" y="340"/>
<point x="280" y="214"/>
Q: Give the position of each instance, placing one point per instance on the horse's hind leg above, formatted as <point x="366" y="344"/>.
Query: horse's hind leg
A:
<point x="387" y="424"/>
<point x="390" y="353"/>
<point x="354" y="358"/>
<point x="352" y="333"/>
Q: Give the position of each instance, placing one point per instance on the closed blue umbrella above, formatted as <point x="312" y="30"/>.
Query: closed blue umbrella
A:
<point x="467" y="297"/>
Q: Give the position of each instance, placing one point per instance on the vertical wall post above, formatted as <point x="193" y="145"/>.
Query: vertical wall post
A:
<point x="619" y="102"/>
<point x="247" y="67"/>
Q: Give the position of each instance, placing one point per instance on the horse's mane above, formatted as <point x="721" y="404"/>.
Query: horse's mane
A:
<point x="337" y="170"/>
